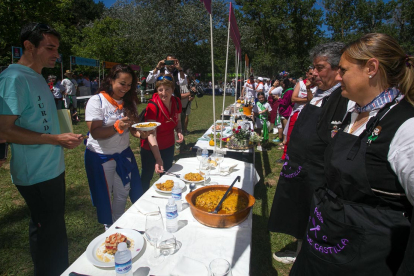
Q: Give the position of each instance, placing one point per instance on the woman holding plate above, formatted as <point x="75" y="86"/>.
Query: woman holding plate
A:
<point x="110" y="164"/>
<point x="157" y="151"/>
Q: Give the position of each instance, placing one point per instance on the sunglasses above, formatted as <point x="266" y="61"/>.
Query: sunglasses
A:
<point x="164" y="77"/>
<point x="40" y="26"/>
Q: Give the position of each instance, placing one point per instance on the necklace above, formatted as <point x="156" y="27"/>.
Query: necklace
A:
<point x="361" y="119"/>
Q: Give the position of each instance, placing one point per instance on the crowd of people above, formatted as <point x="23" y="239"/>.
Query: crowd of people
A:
<point x="345" y="191"/>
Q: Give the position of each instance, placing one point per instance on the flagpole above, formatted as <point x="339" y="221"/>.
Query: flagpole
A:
<point x="212" y="80"/>
<point x="237" y="75"/>
<point x="225" y="84"/>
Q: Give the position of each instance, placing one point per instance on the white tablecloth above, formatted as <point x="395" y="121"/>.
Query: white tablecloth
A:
<point x="199" y="242"/>
<point x="205" y="144"/>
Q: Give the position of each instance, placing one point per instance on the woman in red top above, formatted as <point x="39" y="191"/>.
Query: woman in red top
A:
<point x="157" y="151"/>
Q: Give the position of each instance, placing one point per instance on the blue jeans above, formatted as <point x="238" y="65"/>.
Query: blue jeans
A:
<point x="148" y="164"/>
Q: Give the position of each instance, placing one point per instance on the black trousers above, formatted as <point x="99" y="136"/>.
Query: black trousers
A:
<point x="47" y="230"/>
<point x="148" y="164"/>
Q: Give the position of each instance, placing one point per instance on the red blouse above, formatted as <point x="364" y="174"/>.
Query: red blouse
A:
<point x="168" y="120"/>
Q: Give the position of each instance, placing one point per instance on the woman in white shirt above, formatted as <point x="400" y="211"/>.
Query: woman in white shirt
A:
<point x="360" y="221"/>
<point x="109" y="161"/>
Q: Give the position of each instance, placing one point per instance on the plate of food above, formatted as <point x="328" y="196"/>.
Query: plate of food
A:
<point x="193" y="178"/>
<point x="101" y="251"/>
<point x="146" y="126"/>
<point x="167" y="183"/>
<point x="218" y="127"/>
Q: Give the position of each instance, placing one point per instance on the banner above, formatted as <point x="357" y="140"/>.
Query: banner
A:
<point x="234" y="30"/>
<point x="84" y="61"/>
<point x="108" y="64"/>
<point x="207" y="5"/>
<point x="135" y="67"/>
<point x="17" y="52"/>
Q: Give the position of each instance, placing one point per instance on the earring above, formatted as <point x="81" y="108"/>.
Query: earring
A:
<point x="370" y="76"/>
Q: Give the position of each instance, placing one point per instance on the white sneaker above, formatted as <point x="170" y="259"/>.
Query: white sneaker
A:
<point x="286" y="257"/>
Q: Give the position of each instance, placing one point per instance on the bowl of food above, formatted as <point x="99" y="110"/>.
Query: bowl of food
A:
<point x="235" y="208"/>
<point x="193" y="178"/>
<point x="146" y="126"/>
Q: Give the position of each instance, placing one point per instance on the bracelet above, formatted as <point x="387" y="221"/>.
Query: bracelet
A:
<point x="116" y="127"/>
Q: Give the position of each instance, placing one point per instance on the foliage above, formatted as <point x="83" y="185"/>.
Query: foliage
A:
<point x="277" y="35"/>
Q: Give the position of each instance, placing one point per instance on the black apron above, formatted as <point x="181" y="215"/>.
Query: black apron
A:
<point x="407" y="266"/>
<point x="351" y="230"/>
<point x="303" y="170"/>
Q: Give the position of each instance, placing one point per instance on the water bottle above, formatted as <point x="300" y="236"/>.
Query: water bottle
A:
<point x="176" y="194"/>
<point x="123" y="263"/>
<point x="172" y="216"/>
<point x="204" y="153"/>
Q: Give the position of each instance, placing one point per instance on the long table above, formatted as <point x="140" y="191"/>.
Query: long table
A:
<point x="244" y="155"/>
<point x="199" y="242"/>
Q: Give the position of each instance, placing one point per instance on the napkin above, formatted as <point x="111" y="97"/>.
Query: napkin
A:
<point x="189" y="267"/>
<point x="204" y="138"/>
<point x="145" y="207"/>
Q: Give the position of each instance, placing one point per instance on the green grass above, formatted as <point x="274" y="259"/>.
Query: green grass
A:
<point x="81" y="221"/>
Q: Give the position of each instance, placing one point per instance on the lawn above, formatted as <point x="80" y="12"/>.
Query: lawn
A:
<point x="81" y="221"/>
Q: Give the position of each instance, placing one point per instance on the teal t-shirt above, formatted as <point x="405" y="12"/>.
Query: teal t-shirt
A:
<point x="25" y="93"/>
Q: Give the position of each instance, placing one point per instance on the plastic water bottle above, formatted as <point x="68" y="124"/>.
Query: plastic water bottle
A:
<point x="204" y="153"/>
<point x="123" y="263"/>
<point x="172" y="216"/>
<point x="176" y="194"/>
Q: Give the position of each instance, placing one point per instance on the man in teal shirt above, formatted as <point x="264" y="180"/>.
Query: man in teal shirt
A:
<point x="29" y="122"/>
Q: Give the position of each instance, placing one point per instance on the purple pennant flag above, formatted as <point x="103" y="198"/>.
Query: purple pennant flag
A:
<point x="234" y="30"/>
<point x="207" y="4"/>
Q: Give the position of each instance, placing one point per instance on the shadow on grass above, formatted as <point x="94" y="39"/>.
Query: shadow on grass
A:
<point x="261" y="254"/>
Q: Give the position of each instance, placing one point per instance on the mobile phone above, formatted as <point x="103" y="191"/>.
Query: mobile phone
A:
<point x="3" y="150"/>
<point x="169" y="62"/>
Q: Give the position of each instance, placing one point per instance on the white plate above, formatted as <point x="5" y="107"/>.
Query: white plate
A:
<point x="165" y="178"/>
<point x="138" y="126"/>
<point x="190" y="181"/>
<point x="99" y="242"/>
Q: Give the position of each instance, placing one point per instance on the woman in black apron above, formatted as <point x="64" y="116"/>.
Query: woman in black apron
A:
<point x="360" y="220"/>
<point x="303" y="170"/>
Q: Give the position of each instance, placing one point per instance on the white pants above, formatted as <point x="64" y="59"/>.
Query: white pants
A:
<point x="119" y="191"/>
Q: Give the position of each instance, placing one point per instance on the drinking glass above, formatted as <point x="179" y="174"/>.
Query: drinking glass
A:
<point x="199" y="154"/>
<point x="220" y="267"/>
<point x="219" y="159"/>
<point x="168" y="244"/>
<point x="205" y="169"/>
<point x="154" y="228"/>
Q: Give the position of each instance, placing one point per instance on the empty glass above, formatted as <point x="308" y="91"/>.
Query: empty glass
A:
<point x="220" y="267"/>
<point x="168" y="244"/>
<point x="205" y="169"/>
<point x="154" y="229"/>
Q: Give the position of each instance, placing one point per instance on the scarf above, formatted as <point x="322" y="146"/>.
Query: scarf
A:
<point x="379" y="101"/>
<point x="263" y="118"/>
<point x="322" y="94"/>
<point x="112" y="101"/>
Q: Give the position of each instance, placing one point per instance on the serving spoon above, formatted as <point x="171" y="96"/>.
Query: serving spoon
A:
<point x="225" y="195"/>
<point x="192" y="187"/>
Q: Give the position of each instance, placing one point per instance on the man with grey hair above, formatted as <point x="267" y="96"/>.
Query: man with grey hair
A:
<point x="303" y="169"/>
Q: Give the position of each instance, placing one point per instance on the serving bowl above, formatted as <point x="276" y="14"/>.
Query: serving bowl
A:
<point x="219" y="220"/>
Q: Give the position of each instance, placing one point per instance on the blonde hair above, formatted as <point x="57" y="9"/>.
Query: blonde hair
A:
<point x="395" y="67"/>
<point x="165" y="82"/>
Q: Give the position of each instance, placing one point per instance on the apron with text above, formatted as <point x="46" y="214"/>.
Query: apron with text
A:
<point x="303" y="170"/>
<point x="351" y="230"/>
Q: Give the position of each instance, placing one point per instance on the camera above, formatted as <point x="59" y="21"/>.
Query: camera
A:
<point x="169" y="62"/>
<point x="199" y="90"/>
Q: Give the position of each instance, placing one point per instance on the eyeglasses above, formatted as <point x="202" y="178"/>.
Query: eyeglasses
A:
<point x="164" y="77"/>
<point x="40" y="26"/>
